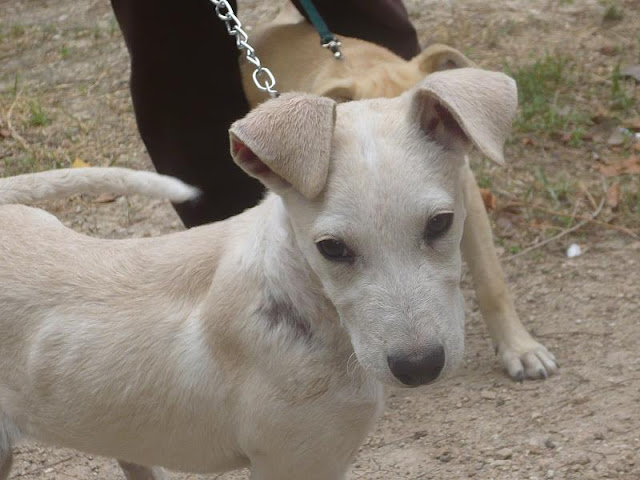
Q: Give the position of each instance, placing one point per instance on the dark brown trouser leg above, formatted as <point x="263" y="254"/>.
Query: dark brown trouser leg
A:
<point x="384" y="22"/>
<point x="186" y="90"/>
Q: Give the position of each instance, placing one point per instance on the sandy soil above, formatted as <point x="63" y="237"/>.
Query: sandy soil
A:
<point x="581" y="424"/>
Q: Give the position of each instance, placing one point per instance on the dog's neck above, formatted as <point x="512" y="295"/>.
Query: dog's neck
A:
<point x="267" y="307"/>
<point x="289" y="281"/>
<point x="277" y="277"/>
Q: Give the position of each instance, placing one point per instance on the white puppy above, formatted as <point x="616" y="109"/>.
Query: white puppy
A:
<point x="289" y="45"/>
<point x="262" y="340"/>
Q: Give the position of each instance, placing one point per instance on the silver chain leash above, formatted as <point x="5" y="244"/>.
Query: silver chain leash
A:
<point x="262" y="76"/>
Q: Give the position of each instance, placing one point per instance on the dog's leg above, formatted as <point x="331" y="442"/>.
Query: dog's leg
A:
<point x="6" y="460"/>
<point x="292" y="465"/>
<point x="520" y="354"/>
<point x="133" y="471"/>
<point x="8" y="434"/>
<point x="263" y="474"/>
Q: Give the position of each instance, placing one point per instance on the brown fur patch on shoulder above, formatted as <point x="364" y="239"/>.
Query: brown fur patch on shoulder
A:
<point x="279" y="312"/>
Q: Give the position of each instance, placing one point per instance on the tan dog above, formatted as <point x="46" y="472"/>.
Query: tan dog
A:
<point x="262" y="340"/>
<point x="290" y="47"/>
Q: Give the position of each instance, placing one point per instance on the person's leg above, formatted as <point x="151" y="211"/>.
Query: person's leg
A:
<point x="186" y="90"/>
<point x="384" y="22"/>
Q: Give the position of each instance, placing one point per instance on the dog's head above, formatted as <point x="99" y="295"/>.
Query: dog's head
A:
<point x="373" y="194"/>
<point x="374" y="72"/>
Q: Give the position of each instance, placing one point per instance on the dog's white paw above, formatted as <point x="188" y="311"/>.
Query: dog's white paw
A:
<point x="523" y="357"/>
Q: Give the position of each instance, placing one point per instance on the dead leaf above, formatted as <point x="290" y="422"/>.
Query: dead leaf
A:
<point x="79" y="163"/>
<point x="632" y="71"/>
<point x="630" y="165"/>
<point x="609" y="49"/>
<point x="613" y="195"/>
<point x="632" y="123"/>
<point x="105" y="198"/>
<point x="505" y="227"/>
<point x="5" y="133"/>
<point x="488" y="198"/>
<point x="616" y="138"/>
<point x="511" y="208"/>
<point x="506" y="224"/>
<point x="601" y="115"/>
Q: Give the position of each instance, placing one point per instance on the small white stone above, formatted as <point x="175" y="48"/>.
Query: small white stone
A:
<point x="574" y="250"/>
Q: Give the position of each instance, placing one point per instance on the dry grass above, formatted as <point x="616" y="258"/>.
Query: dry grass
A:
<point x="566" y="57"/>
<point x="63" y="95"/>
<point x="63" y="92"/>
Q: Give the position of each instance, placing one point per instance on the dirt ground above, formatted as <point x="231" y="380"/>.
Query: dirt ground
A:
<point x="64" y="96"/>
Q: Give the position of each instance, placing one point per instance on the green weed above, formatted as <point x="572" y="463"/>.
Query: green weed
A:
<point x="483" y="180"/>
<point x="577" y="137"/>
<point x="558" y="191"/>
<point x="544" y="88"/>
<point x="37" y="116"/>
<point x="17" y="31"/>
<point x="613" y="13"/>
<point x="619" y="98"/>
<point x="16" y="86"/>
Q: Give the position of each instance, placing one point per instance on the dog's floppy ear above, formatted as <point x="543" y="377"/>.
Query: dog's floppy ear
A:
<point x="286" y="142"/>
<point x="465" y="105"/>
<point x="438" y="57"/>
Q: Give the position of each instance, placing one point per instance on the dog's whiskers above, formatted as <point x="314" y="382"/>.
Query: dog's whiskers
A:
<point x="352" y="360"/>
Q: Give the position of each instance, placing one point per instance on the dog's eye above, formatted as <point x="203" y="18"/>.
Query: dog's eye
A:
<point x="438" y="225"/>
<point x="334" y="250"/>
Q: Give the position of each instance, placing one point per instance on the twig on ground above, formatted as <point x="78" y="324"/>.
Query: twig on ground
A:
<point x="575" y="211"/>
<point x="64" y="474"/>
<point x="588" y="218"/>
<point x="587" y="395"/>
<point x="15" y="135"/>
<point x="78" y="122"/>
<point x="571" y="333"/>
<point x="587" y="194"/>
<point x="43" y="467"/>
<point x="95" y="84"/>
<point x="563" y="233"/>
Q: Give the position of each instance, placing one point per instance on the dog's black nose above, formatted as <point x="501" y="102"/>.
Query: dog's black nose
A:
<point x="419" y="368"/>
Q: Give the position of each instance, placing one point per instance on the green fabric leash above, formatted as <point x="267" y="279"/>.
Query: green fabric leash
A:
<point x="327" y="39"/>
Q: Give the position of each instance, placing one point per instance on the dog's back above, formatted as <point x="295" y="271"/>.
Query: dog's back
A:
<point x="291" y="48"/>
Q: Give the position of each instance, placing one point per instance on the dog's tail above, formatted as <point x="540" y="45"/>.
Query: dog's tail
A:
<point x="52" y="184"/>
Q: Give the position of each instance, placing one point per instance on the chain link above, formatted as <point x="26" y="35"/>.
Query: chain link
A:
<point x="262" y="76"/>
